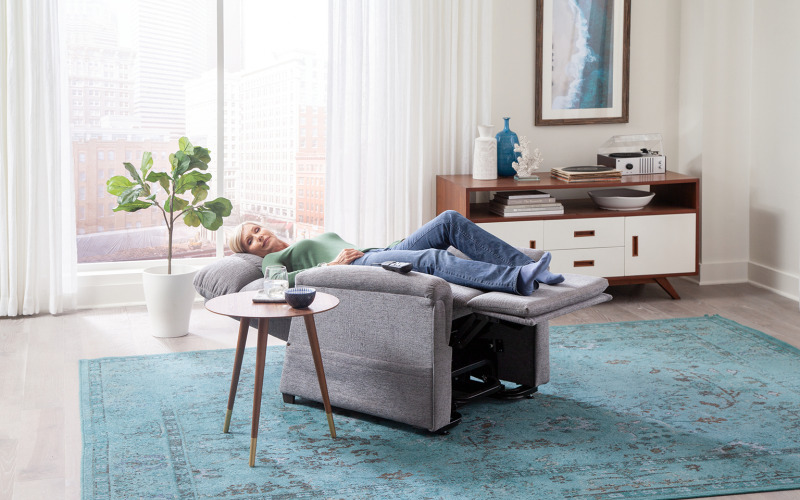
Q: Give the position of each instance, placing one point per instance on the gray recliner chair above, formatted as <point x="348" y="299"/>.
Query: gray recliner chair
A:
<point x="411" y="347"/>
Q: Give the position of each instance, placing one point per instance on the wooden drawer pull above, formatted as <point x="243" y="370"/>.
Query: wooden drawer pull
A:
<point x="583" y="234"/>
<point x="533" y="244"/>
<point x="635" y="245"/>
<point x="583" y="263"/>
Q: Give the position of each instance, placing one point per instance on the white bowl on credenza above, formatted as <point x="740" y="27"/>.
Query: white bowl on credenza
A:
<point x="621" y="198"/>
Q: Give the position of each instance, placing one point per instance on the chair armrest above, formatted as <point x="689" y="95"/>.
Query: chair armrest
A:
<point x="377" y="279"/>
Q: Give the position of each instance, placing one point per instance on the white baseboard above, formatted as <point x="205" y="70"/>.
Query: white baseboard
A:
<point x="774" y="280"/>
<point x="718" y="273"/>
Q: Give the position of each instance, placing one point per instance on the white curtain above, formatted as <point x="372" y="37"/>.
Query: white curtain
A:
<point x="409" y="81"/>
<point x="37" y="209"/>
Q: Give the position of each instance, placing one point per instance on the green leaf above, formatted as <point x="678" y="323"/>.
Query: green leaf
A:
<point x="210" y="220"/>
<point x="202" y="154"/>
<point x="200" y="192"/>
<point x="191" y="219"/>
<point x="221" y="206"/>
<point x="129" y="195"/>
<point x="133" y="206"/>
<point x="118" y="184"/>
<point x="196" y="163"/>
<point x="180" y="164"/>
<point x="190" y="180"/>
<point x="132" y="170"/>
<point x="147" y="163"/>
<point x="184" y="145"/>
<point x="160" y="177"/>
<point x="179" y="204"/>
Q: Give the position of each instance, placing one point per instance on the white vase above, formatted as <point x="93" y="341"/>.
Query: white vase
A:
<point x="484" y="157"/>
<point x="169" y="299"/>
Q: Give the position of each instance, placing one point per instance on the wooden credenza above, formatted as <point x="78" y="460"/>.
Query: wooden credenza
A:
<point x="626" y="247"/>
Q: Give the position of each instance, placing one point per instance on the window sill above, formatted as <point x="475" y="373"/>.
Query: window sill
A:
<point x="115" y="284"/>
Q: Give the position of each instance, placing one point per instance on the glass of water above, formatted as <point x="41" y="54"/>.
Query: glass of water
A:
<point x="276" y="281"/>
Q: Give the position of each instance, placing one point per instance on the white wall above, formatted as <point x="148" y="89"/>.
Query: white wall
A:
<point x="715" y="89"/>
<point x="653" y="85"/>
<point x="703" y="75"/>
<point x="775" y="131"/>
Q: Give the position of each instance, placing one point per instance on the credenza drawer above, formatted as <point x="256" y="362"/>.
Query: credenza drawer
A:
<point x="591" y="261"/>
<point x="522" y="233"/>
<point x="584" y="233"/>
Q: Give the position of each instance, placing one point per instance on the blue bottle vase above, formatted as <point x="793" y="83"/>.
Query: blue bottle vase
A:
<point x="506" y="139"/>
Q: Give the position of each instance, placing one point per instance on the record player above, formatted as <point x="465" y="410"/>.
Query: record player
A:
<point x="633" y="154"/>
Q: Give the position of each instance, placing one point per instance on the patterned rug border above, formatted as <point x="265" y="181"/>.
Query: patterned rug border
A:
<point x="87" y="458"/>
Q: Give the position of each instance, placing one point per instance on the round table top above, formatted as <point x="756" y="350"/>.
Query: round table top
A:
<point x="241" y="305"/>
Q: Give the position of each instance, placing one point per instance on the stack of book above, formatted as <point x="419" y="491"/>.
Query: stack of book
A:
<point x="586" y="174"/>
<point x="524" y="204"/>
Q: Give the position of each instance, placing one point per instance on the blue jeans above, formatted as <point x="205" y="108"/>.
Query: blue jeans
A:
<point x="494" y="266"/>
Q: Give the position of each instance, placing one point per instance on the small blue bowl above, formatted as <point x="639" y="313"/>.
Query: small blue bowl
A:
<point x="300" y="297"/>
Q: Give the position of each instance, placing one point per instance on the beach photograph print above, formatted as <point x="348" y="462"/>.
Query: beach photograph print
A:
<point x="582" y="61"/>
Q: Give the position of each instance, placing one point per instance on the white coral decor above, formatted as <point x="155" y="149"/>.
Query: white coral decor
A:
<point x="528" y="163"/>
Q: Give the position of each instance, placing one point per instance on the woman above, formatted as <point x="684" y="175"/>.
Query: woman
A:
<point x="495" y="265"/>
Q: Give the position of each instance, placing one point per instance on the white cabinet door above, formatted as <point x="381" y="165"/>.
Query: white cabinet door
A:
<point x="660" y="244"/>
<point x="522" y="233"/>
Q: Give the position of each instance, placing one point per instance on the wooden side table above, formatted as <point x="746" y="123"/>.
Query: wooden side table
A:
<point x="241" y="305"/>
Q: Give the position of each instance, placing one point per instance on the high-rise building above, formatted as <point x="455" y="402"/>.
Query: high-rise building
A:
<point x="311" y="171"/>
<point x="273" y="100"/>
<point x="173" y="43"/>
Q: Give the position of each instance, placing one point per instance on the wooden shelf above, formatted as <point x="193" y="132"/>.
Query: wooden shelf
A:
<point x="675" y="195"/>
<point x="577" y="209"/>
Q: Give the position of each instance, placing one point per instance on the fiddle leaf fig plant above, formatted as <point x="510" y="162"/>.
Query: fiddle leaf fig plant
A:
<point x="182" y="192"/>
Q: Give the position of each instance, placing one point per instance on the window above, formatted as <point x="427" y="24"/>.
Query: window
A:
<point x="121" y="33"/>
<point x="128" y="107"/>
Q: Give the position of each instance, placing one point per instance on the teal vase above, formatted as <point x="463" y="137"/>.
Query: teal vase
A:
<point x="506" y="140"/>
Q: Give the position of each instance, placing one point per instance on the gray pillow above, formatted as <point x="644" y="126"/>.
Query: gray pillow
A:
<point x="228" y="275"/>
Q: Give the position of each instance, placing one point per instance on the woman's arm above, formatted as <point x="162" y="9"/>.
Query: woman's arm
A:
<point x="346" y="256"/>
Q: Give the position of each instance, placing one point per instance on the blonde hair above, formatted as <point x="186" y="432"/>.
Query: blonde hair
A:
<point x="235" y="239"/>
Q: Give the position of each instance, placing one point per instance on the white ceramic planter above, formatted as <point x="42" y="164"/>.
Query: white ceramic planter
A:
<point x="169" y="299"/>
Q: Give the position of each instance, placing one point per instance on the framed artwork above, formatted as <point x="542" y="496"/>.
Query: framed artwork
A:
<point x="586" y="44"/>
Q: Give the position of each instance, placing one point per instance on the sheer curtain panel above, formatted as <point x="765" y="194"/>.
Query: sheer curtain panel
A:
<point x="37" y="209"/>
<point x="409" y="82"/>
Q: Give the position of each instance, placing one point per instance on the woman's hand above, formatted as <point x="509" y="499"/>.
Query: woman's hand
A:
<point x="346" y="256"/>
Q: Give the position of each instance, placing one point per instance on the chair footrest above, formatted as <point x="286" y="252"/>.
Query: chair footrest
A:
<point x="466" y="391"/>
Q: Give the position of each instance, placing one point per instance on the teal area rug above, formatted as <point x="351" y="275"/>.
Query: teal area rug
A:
<point x="655" y="409"/>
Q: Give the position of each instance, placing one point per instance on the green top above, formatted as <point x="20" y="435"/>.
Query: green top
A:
<point x="307" y="253"/>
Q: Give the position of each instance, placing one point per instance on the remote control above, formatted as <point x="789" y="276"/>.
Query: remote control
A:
<point x="398" y="267"/>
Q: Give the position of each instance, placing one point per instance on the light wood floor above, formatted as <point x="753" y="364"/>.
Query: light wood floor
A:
<point x="40" y="440"/>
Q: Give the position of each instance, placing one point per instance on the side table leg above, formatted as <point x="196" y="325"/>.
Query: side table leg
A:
<point x="313" y="341"/>
<point x="261" y="356"/>
<point x="244" y="325"/>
